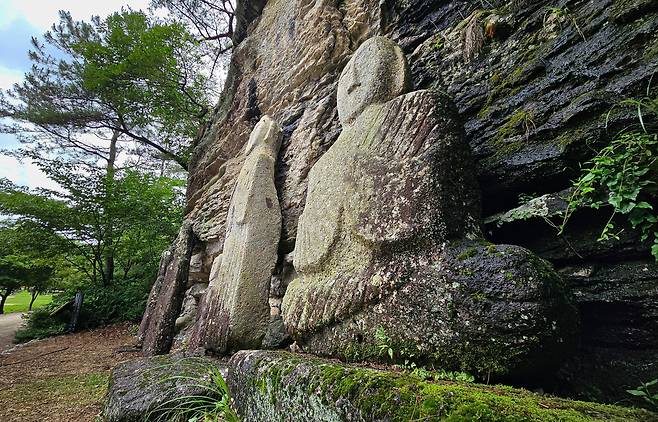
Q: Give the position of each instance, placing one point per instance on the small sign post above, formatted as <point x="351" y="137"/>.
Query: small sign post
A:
<point x="75" y="315"/>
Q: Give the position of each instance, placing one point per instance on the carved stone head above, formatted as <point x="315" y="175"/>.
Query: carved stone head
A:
<point x="376" y="73"/>
<point x="267" y="134"/>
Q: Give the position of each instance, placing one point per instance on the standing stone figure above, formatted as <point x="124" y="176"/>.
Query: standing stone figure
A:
<point x="234" y="313"/>
<point x="388" y="241"/>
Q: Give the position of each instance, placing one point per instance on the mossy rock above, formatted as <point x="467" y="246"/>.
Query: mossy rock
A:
<point x="145" y="387"/>
<point x="273" y="386"/>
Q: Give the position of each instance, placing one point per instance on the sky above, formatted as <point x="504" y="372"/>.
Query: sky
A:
<point x="20" y="20"/>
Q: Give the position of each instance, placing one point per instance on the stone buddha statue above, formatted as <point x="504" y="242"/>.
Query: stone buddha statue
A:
<point x="234" y="313"/>
<point x="389" y="240"/>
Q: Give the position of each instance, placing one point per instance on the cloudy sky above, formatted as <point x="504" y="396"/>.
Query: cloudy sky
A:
<point x="19" y="21"/>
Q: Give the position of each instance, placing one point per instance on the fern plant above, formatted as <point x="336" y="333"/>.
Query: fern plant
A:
<point x="624" y="176"/>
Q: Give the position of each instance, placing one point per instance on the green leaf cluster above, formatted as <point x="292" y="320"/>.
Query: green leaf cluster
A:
<point x="647" y="393"/>
<point x="624" y="176"/>
<point x="128" y="74"/>
<point x="140" y="211"/>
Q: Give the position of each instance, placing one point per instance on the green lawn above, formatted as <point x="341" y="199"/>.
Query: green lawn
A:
<point x="20" y="302"/>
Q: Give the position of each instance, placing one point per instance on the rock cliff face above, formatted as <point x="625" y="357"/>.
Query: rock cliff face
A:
<point x="533" y="84"/>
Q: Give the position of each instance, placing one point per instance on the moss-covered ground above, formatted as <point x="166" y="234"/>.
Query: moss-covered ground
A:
<point x="394" y="396"/>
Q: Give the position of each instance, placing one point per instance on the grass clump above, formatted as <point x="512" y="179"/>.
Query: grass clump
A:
<point x="199" y="394"/>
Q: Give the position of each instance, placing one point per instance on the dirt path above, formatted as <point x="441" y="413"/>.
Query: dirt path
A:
<point x="61" y="378"/>
<point x="9" y="323"/>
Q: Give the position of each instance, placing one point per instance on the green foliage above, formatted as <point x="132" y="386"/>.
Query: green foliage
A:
<point x="386" y="348"/>
<point x="41" y="325"/>
<point x="102" y="305"/>
<point x="124" y="301"/>
<point x="212" y="404"/>
<point x="559" y="15"/>
<point x="141" y="212"/>
<point x="128" y="219"/>
<point x="384" y="343"/>
<point x="623" y="176"/>
<point x="456" y="376"/>
<point x="126" y="75"/>
<point x="647" y="392"/>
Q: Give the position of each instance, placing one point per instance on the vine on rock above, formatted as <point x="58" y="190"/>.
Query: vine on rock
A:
<point x="624" y="176"/>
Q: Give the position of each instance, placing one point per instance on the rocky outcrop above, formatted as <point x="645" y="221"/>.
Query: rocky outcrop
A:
<point x="277" y="386"/>
<point x="535" y="96"/>
<point x="533" y="84"/>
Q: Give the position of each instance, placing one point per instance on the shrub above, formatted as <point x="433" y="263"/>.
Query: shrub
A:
<point x="101" y="306"/>
<point x="117" y="303"/>
<point x="41" y="325"/>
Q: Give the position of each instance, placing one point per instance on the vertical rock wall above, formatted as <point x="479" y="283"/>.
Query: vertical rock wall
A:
<point x="532" y="89"/>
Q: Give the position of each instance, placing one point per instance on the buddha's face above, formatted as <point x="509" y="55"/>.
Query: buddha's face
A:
<point x="265" y="133"/>
<point x="376" y="73"/>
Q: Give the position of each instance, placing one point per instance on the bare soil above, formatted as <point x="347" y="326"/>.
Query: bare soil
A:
<point x="9" y="323"/>
<point x="62" y="378"/>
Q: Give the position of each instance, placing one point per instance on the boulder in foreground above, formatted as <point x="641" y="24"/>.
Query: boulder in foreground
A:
<point x="278" y="386"/>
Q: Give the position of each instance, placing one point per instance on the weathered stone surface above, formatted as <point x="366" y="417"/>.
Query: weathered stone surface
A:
<point x="190" y="304"/>
<point x="156" y="331"/>
<point x="533" y="101"/>
<point x="277" y="386"/>
<point x="492" y="310"/>
<point x="142" y="387"/>
<point x="615" y="286"/>
<point x="371" y="252"/>
<point x="235" y="310"/>
<point x="619" y="302"/>
<point x="378" y="72"/>
<point x="287" y="68"/>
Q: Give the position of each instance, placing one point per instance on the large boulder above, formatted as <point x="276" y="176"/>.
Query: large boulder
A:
<point x="152" y="386"/>
<point x="277" y="386"/>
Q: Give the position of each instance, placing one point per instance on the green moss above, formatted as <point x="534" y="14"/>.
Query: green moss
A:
<point x="468" y="253"/>
<point x="439" y="43"/>
<point x="479" y="297"/>
<point x="652" y="50"/>
<point x="393" y="396"/>
<point x="507" y="86"/>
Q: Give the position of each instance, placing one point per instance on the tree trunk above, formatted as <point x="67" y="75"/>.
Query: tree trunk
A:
<point x="108" y="250"/>
<point x="3" y="299"/>
<point x="35" y="294"/>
